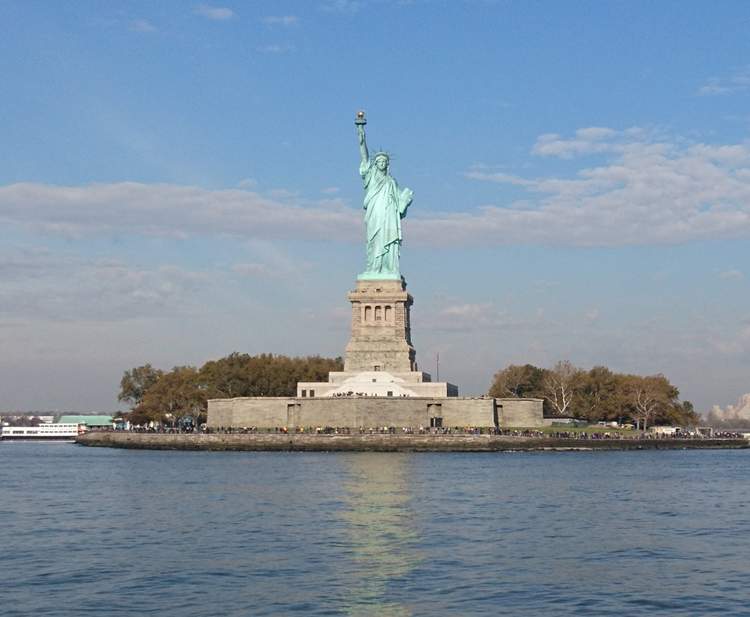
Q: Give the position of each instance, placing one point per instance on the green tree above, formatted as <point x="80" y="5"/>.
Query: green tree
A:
<point x="140" y="415"/>
<point x="682" y="413"/>
<point x="263" y="375"/>
<point x="136" y="382"/>
<point x="517" y="381"/>
<point x="176" y="394"/>
<point x="598" y="396"/>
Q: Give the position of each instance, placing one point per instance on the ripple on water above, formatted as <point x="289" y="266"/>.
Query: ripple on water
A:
<point x="107" y="532"/>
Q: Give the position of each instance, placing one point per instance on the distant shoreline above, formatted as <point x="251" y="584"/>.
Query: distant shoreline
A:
<point x="386" y="443"/>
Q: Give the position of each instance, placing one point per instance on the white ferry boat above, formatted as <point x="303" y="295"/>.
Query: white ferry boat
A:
<point x="43" y="432"/>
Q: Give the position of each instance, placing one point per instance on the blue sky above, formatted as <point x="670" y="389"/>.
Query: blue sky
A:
<point x="179" y="181"/>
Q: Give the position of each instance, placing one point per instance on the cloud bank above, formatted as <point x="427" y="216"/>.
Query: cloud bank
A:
<point x="217" y="13"/>
<point x="41" y="285"/>
<point x="171" y="210"/>
<point x="281" y="20"/>
<point x="738" y="82"/>
<point x="643" y="190"/>
<point x="740" y="411"/>
<point x="646" y="191"/>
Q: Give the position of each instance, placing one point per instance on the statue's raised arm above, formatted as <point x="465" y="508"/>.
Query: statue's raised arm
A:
<point x="360" y="122"/>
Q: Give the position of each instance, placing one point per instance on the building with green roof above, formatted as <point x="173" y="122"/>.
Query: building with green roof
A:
<point x="92" y="421"/>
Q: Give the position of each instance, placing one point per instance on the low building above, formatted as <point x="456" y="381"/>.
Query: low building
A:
<point x="90" y="421"/>
<point x="665" y="430"/>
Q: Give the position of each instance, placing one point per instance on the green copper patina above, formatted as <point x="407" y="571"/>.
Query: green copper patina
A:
<point x="385" y="205"/>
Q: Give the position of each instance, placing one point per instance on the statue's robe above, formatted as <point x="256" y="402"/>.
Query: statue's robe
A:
<point x="385" y="205"/>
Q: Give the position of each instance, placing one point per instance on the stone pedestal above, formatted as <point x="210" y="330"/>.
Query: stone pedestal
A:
<point x="380" y="359"/>
<point x="381" y="335"/>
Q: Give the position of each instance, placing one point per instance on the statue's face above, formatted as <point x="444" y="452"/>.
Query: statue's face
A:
<point x="381" y="163"/>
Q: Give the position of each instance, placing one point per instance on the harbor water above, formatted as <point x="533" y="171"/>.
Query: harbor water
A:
<point x="96" y="531"/>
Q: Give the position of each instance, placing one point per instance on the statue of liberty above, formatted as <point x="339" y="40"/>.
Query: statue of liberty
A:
<point x="385" y="205"/>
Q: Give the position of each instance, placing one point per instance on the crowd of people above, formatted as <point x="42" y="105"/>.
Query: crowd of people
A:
<point x="351" y="394"/>
<point x="467" y="430"/>
<point x="421" y="430"/>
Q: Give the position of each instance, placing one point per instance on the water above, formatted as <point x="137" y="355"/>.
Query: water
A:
<point x="88" y="531"/>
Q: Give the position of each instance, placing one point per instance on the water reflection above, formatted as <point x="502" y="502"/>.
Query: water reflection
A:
<point x="382" y="532"/>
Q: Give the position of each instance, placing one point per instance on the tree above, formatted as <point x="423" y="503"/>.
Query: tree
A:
<point x="682" y="413"/>
<point x="184" y="391"/>
<point x="175" y="395"/>
<point x="598" y="396"/>
<point x="560" y="386"/>
<point x="263" y="375"/>
<point x="140" y="415"/>
<point x="228" y="377"/>
<point x="649" y="398"/>
<point x="517" y="381"/>
<point x="136" y="382"/>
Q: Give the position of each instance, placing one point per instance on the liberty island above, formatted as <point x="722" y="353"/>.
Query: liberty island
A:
<point x="381" y="400"/>
<point x="381" y="384"/>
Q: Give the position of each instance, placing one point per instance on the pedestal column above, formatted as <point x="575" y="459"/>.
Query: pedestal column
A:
<point x="381" y="331"/>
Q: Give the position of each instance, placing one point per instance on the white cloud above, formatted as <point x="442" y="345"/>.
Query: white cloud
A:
<point x="479" y="316"/>
<point x="645" y="191"/>
<point x="342" y="6"/>
<point x="352" y="6"/>
<point x="592" y="316"/>
<point x="740" y="411"/>
<point x="589" y="140"/>
<point x="175" y="211"/>
<point x="738" y="82"/>
<point x="281" y="20"/>
<point x="713" y="88"/>
<point x="481" y="172"/>
<point x="731" y="275"/>
<point x="142" y="25"/>
<point x="39" y="285"/>
<point x="251" y="269"/>
<point x="217" y="13"/>
<point x="275" y="48"/>
<point x="734" y="344"/>
<point x="595" y="133"/>
<point x="471" y="311"/>
<point x="269" y="258"/>
<point x="648" y="191"/>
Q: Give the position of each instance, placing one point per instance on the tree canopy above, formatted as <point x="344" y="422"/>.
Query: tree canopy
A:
<point x="596" y="394"/>
<point x="136" y="381"/>
<point x="156" y="395"/>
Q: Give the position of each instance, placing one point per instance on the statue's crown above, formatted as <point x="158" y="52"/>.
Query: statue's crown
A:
<point x="382" y="153"/>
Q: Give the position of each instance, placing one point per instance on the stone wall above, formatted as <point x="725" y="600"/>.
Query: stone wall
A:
<point x="365" y="411"/>
<point x="520" y="412"/>
<point x="383" y="443"/>
<point x="268" y="412"/>
<point x="369" y="412"/>
<point x="468" y="412"/>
